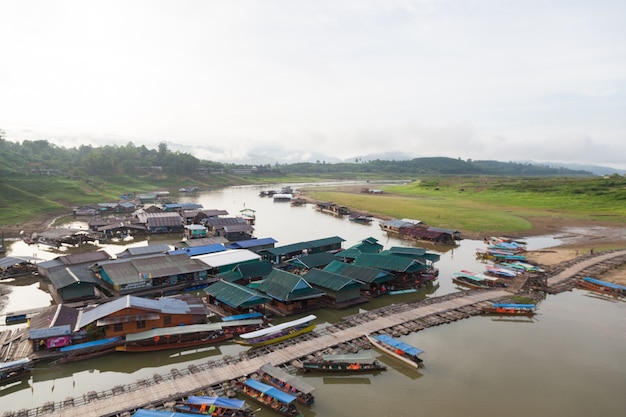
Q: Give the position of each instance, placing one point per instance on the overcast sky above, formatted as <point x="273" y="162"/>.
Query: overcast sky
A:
<point x="483" y="79"/>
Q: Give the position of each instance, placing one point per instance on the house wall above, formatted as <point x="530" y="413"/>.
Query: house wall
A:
<point x="134" y="326"/>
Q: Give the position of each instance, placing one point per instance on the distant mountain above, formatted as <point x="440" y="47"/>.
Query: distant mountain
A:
<point x="383" y="156"/>
<point x="594" y="169"/>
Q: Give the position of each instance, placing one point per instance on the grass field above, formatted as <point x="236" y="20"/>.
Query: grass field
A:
<point x="485" y="206"/>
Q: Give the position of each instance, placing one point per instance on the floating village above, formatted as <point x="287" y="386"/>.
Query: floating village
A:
<point x="145" y="299"/>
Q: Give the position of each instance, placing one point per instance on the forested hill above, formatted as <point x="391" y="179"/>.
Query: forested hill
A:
<point x="434" y="166"/>
<point x="43" y="157"/>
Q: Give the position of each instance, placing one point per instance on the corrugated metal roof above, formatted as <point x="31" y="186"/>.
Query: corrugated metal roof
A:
<point x="315" y="260"/>
<point x="369" y="245"/>
<point x="235" y="295"/>
<point x="82" y="258"/>
<point x="360" y="273"/>
<point x="10" y="261"/>
<point x="166" y="305"/>
<point x="330" y="280"/>
<point x="285" y="286"/>
<point x="298" y="247"/>
<point x="228" y="257"/>
<point x="130" y="270"/>
<point x="64" y="277"/>
<point x="389" y="263"/>
<point x="252" y="243"/>
<point x="224" y="221"/>
<point x="286" y="377"/>
<point x="237" y="228"/>
<point x="200" y="250"/>
<point x="416" y="253"/>
<point x="145" y="250"/>
<point x="213" y="212"/>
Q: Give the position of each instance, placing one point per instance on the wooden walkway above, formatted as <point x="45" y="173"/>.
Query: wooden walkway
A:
<point x="192" y="382"/>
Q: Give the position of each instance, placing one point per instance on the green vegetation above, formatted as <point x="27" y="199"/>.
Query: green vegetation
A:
<point x="489" y="205"/>
<point x="39" y="179"/>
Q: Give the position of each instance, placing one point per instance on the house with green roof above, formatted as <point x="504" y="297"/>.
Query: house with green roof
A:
<point x="407" y="271"/>
<point x="341" y="291"/>
<point x="246" y="273"/>
<point x="371" y="279"/>
<point x="282" y="254"/>
<point x="290" y="293"/>
<point x="235" y="299"/>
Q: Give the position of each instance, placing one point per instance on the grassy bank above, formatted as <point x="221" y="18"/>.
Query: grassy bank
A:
<point x="480" y="206"/>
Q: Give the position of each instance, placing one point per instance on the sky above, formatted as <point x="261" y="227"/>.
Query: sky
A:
<point x="527" y="80"/>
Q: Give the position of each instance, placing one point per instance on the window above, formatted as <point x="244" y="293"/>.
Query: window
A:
<point x="167" y="320"/>
<point x="118" y="327"/>
<point x="141" y="324"/>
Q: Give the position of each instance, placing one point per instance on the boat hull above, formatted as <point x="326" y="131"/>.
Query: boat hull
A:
<point x="277" y="339"/>
<point x="139" y="347"/>
<point x="342" y="367"/>
<point x="382" y="348"/>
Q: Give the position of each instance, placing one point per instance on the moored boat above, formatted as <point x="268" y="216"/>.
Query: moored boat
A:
<point x="278" y="333"/>
<point x="358" y="362"/>
<point x="214" y="406"/>
<point x="14" y="370"/>
<point x="174" y="338"/>
<point x="87" y="350"/>
<point x="270" y="397"/>
<point x="510" y="309"/>
<point x="397" y="349"/>
<point x="603" y="287"/>
<point x="288" y="383"/>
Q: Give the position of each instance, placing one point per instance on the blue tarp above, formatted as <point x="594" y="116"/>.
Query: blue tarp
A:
<point x="283" y="397"/>
<point x="95" y="343"/>
<point x="218" y="402"/>
<point x="605" y="283"/>
<point x="152" y="413"/>
<point x="522" y="306"/>
<point x="243" y="316"/>
<point x="411" y="350"/>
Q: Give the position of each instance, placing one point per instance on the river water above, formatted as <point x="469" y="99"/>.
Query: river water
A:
<point x="567" y="361"/>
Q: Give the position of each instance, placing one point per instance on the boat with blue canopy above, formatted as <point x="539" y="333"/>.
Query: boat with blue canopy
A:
<point x="13" y="370"/>
<point x="604" y="287"/>
<point x="214" y="406"/>
<point x="397" y="349"/>
<point x="270" y="397"/>
<point x="155" y="413"/>
<point x="513" y="309"/>
<point x="288" y="383"/>
<point x="87" y="350"/>
<point x="253" y="315"/>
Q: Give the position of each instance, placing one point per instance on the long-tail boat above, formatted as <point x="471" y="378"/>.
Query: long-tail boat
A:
<point x="214" y="406"/>
<point x="356" y="362"/>
<point x="14" y="370"/>
<point x="142" y="412"/>
<point x="175" y="337"/>
<point x="278" y="333"/>
<point x="397" y="349"/>
<point x="510" y="309"/>
<point x="87" y="350"/>
<point x="470" y="280"/>
<point x="270" y="397"/>
<point x="288" y="383"/>
<point x="603" y="287"/>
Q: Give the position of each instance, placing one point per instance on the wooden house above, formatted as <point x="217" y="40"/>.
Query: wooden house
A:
<point x="195" y="231"/>
<point x="225" y="226"/>
<point x="248" y="272"/>
<point x="406" y="271"/>
<point x="255" y="245"/>
<point x="162" y="222"/>
<point x="234" y="299"/>
<point x="290" y="293"/>
<point x="340" y="291"/>
<point x="52" y="327"/>
<point x="282" y="254"/>
<point x="165" y="272"/>
<point x="372" y="279"/>
<point x="129" y="314"/>
<point x="204" y="214"/>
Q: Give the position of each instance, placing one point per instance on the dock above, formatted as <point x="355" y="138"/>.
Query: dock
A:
<point x="347" y="335"/>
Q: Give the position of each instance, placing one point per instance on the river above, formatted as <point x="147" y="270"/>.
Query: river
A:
<point x="566" y="361"/>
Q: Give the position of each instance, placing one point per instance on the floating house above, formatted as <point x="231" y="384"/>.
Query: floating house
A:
<point x="372" y="279"/>
<point x="52" y="327"/>
<point x="235" y="299"/>
<point x="281" y="254"/>
<point x="152" y="272"/>
<point x="227" y="260"/>
<point x="340" y="291"/>
<point x="290" y="293"/>
<point x="129" y="314"/>
<point x="248" y="272"/>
